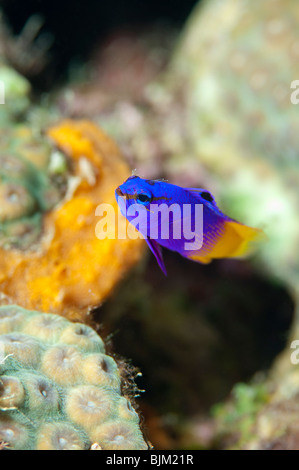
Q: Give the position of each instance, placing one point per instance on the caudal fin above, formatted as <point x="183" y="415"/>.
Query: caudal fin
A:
<point x="236" y="240"/>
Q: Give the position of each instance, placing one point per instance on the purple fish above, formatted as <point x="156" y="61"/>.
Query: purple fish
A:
<point x="185" y="220"/>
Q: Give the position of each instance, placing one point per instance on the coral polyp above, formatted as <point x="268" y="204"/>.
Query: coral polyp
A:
<point x="63" y="364"/>
<point x="50" y="398"/>
<point x="87" y="405"/>
<point x="117" y="435"/>
<point x="11" y="392"/>
<point x="60" y="436"/>
<point x="21" y="347"/>
<point x="99" y="369"/>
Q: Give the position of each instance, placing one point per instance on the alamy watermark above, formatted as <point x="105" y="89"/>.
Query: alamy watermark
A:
<point x="2" y="356"/>
<point x="295" y="94"/>
<point x="158" y="222"/>
<point x="2" y="92"/>
<point x="294" y="358"/>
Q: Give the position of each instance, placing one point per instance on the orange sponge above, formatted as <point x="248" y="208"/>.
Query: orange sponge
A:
<point x="72" y="270"/>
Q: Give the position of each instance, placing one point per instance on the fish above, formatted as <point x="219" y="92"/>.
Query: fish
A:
<point x="185" y="220"/>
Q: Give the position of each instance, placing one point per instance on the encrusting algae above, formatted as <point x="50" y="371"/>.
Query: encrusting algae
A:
<point x="63" y="267"/>
<point x="58" y="388"/>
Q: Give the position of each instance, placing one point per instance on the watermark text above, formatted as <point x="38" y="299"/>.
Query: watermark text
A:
<point x="155" y="221"/>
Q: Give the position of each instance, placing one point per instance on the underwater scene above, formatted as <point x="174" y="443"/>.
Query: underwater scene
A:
<point x="149" y="225"/>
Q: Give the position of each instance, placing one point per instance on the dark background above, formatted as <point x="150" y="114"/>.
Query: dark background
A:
<point x="77" y="25"/>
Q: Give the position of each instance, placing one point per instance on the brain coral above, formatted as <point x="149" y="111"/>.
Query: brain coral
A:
<point x="58" y="388"/>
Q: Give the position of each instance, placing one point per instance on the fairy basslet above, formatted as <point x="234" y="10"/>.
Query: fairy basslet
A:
<point x="186" y="220"/>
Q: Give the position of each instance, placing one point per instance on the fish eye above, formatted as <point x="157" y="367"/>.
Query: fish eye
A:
<point x="207" y="196"/>
<point x="143" y="199"/>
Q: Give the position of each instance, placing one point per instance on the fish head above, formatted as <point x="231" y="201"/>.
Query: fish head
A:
<point x="142" y="196"/>
<point x="136" y="190"/>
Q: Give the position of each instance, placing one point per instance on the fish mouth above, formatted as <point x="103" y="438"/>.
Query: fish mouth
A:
<point x="119" y="192"/>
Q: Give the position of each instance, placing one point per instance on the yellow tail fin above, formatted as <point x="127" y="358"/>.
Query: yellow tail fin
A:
<point x="235" y="241"/>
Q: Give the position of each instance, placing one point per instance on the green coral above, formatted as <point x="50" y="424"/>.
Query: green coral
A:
<point x="237" y="418"/>
<point x="15" y="91"/>
<point x="33" y="179"/>
<point x="58" y="388"/>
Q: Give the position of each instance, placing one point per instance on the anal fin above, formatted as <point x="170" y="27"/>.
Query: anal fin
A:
<point x="157" y="251"/>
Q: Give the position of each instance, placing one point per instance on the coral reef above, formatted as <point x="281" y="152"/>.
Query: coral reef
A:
<point x="50" y="188"/>
<point x="33" y="180"/>
<point x="125" y="98"/>
<point x="241" y="125"/>
<point x="15" y="90"/>
<point x="220" y="118"/>
<point x="236" y="419"/>
<point x="58" y="388"/>
<point x="241" y="132"/>
<point x="261" y="415"/>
